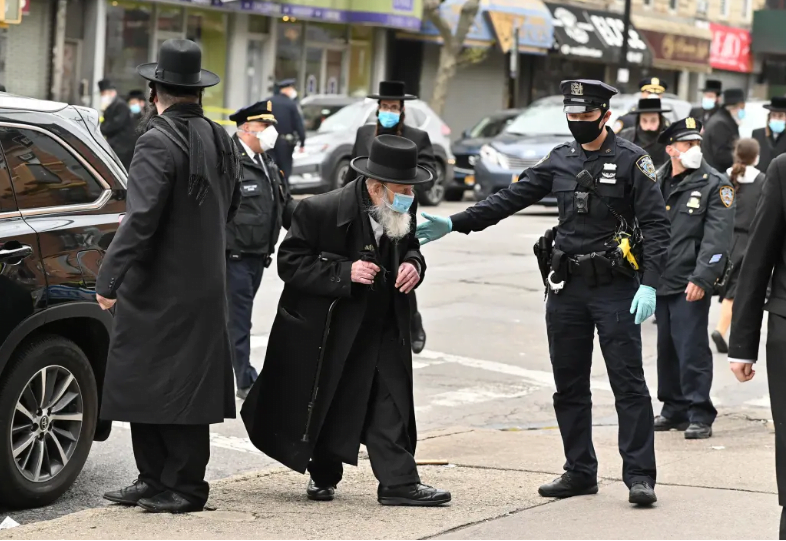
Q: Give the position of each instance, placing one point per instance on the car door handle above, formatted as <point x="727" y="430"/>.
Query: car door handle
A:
<point x="16" y="253"/>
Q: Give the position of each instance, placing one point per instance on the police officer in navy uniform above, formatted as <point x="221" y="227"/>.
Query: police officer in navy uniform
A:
<point x="590" y="288"/>
<point x="253" y="233"/>
<point x="700" y="205"/>
<point x="290" y="125"/>
<point x="651" y="87"/>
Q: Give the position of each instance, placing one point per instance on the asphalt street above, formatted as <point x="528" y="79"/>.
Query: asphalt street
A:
<point x="486" y="362"/>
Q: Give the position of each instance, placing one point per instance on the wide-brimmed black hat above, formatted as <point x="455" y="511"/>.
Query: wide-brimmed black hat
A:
<point x="777" y="105"/>
<point x="712" y="85"/>
<point x="392" y="159"/>
<point x="733" y="96"/>
<point x="179" y="64"/>
<point x="687" y="129"/>
<point x="105" y="84"/>
<point x="262" y="111"/>
<point x="392" y="90"/>
<point x="137" y="95"/>
<point x="650" y="105"/>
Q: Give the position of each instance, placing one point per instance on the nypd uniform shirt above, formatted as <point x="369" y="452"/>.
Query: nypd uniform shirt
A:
<point x="625" y="178"/>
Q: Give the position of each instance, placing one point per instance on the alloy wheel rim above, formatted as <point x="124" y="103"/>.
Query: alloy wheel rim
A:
<point x="437" y="191"/>
<point x="46" y="424"/>
<point x="342" y="175"/>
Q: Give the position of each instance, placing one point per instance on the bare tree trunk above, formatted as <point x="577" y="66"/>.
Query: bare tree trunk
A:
<point x="445" y="72"/>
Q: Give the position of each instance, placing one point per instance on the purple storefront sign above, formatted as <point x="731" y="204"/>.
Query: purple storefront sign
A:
<point x="406" y="22"/>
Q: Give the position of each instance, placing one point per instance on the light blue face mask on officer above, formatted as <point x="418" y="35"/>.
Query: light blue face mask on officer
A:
<point x="401" y="202"/>
<point x="388" y="119"/>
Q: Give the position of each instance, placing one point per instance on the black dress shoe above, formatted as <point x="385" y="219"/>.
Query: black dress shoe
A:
<point x="782" y="532"/>
<point x="320" y="494"/>
<point x="567" y="486"/>
<point x="242" y="394"/>
<point x="720" y="342"/>
<point x="131" y="495"/>
<point x="417" y="334"/>
<point x="664" y="424"/>
<point x="169" y="502"/>
<point x="698" y="431"/>
<point x="415" y="494"/>
<point x="641" y="493"/>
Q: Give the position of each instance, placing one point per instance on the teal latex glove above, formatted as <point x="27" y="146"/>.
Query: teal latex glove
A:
<point x="643" y="304"/>
<point x="434" y="228"/>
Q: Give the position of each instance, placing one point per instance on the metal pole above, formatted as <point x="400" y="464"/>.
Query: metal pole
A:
<point x="623" y="74"/>
<point x="517" y="75"/>
<point x="59" y="51"/>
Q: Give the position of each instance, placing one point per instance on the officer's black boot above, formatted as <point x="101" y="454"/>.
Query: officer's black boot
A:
<point x="698" y="431"/>
<point x="641" y="493"/>
<point x="664" y="424"/>
<point x="569" y="485"/>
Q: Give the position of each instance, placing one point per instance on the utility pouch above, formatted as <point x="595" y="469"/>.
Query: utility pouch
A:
<point x="603" y="270"/>
<point x="586" y="268"/>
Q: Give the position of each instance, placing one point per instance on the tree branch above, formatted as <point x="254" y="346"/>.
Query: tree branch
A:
<point x="431" y="12"/>
<point x="468" y="13"/>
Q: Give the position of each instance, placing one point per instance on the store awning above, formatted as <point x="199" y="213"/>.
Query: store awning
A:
<point x="676" y="45"/>
<point x="495" y="22"/>
<point x="595" y="35"/>
<point x="768" y="31"/>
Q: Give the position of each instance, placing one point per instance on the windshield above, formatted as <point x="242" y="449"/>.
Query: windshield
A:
<point x="490" y="126"/>
<point x="314" y="114"/>
<point x="545" y="119"/>
<point x="345" y="119"/>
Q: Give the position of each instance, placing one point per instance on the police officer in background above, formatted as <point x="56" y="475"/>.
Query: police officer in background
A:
<point x="723" y="130"/>
<point x="290" y="125"/>
<point x="650" y="87"/>
<point x="771" y="138"/>
<point x="700" y="204"/>
<point x="604" y="185"/>
<point x="710" y="101"/>
<point x="253" y="233"/>
<point x="650" y="124"/>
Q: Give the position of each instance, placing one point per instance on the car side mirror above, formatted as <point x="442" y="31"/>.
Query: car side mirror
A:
<point x="465" y="134"/>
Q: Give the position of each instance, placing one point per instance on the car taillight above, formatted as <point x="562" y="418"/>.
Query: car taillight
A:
<point x="445" y="130"/>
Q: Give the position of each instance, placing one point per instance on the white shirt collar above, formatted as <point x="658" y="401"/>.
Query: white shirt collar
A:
<point x="251" y="154"/>
<point x="750" y="174"/>
<point x="377" y="228"/>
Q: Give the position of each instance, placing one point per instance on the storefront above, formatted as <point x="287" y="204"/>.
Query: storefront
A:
<point x="769" y="45"/>
<point x="730" y="56"/>
<point x="26" y="51"/>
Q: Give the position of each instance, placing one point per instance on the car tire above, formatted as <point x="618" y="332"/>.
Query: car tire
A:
<point x="56" y="368"/>
<point x="338" y="179"/>
<point x="454" y="194"/>
<point x="434" y="195"/>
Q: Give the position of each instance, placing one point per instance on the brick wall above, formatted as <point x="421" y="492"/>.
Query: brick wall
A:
<point x="28" y="52"/>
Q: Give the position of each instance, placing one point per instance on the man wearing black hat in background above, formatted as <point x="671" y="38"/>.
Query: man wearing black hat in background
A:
<point x="338" y="370"/>
<point x="771" y="138"/>
<point x="710" y="101"/>
<point x="118" y="126"/>
<point x="391" y="115"/>
<point x="723" y="130"/>
<point x="700" y="205"/>
<point x="649" y="125"/>
<point x="169" y="367"/>
<point x="604" y="186"/>
<point x="253" y="234"/>
<point x="651" y="87"/>
<point x="290" y="125"/>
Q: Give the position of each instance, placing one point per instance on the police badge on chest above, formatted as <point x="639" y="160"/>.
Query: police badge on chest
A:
<point x="695" y="200"/>
<point x="609" y="174"/>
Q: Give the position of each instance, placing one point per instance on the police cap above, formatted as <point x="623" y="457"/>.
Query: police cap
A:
<point x="584" y="95"/>
<point x="687" y="129"/>
<point x="653" y="85"/>
<point x="284" y="83"/>
<point x="259" y="112"/>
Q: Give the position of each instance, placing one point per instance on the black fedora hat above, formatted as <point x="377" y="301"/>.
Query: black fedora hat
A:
<point x="732" y="96"/>
<point x="392" y="159"/>
<point x="650" y="105"/>
<point x="777" y="104"/>
<point x="712" y="85"/>
<point x="105" y="84"/>
<point x="392" y="90"/>
<point x="179" y="64"/>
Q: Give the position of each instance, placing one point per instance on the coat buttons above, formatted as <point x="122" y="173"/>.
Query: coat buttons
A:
<point x="668" y="207"/>
<point x="332" y="278"/>
<point x="338" y="278"/>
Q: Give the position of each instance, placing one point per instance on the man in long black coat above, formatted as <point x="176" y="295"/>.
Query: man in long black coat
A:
<point x="119" y="125"/>
<point x="710" y="101"/>
<point x="723" y="129"/>
<point x="772" y="138"/>
<point x="338" y="370"/>
<point x="169" y="369"/>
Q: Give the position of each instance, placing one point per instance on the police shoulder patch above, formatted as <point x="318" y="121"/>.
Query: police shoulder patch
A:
<point x="646" y="166"/>
<point x="543" y="159"/>
<point x="727" y="195"/>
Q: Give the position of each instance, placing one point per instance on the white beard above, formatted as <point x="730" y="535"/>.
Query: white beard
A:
<point x="395" y="224"/>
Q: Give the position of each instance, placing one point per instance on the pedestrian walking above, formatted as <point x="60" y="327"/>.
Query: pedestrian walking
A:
<point x="605" y="187"/>
<point x="710" y="101"/>
<point x="772" y="142"/>
<point x="253" y="233"/>
<point x="292" y="134"/>
<point x="649" y="125"/>
<point x="700" y="205"/>
<point x="765" y="259"/>
<point x="748" y="181"/>
<point x="391" y="115"/>
<point x="338" y="369"/>
<point x="137" y="104"/>
<point x="169" y="368"/>
<point x="723" y="130"/>
<point x="118" y="126"/>
<point x="650" y="87"/>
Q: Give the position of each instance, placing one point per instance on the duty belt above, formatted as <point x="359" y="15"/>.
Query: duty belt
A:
<point x="597" y="268"/>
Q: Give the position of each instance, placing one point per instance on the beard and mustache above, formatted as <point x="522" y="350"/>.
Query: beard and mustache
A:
<point x="396" y="225"/>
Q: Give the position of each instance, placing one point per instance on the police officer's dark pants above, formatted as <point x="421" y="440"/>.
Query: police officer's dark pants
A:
<point x="684" y="359"/>
<point x="282" y="154"/>
<point x="571" y="319"/>
<point x="243" y="279"/>
<point x="173" y="457"/>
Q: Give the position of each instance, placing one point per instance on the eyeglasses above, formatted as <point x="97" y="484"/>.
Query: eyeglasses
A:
<point x="390" y="108"/>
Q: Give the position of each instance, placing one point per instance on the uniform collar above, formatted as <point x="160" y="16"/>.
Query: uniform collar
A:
<point x="607" y="149"/>
<point x="246" y="149"/>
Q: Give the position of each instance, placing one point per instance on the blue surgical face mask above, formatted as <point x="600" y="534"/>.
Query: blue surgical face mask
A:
<point x="401" y="202"/>
<point x="741" y="114"/>
<point x="136" y="108"/>
<point x="708" y="104"/>
<point x="777" y="126"/>
<point x="388" y="119"/>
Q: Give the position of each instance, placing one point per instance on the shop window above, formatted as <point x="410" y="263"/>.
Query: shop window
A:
<point x="725" y="9"/>
<point x="128" y="26"/>
<point x="360" y="61"/>
<point x="289" y="50"/>
<point x="170" y="18"/>
<point x="208" y="29"/>
<point x="673" y="5"/>
<point x="258" y="25"/>
<point x="44" y="173"/>
<point x="327" y="33"/>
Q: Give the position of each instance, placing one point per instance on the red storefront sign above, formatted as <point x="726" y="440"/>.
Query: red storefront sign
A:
<point x="731" y="49"/>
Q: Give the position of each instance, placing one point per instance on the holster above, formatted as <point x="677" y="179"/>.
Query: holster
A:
<point x="542" y="251"/>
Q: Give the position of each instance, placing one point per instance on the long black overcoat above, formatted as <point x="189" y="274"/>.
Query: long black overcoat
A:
<point x="119" y="129"/>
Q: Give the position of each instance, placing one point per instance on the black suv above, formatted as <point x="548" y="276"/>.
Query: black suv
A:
<point x="62" y="196"/>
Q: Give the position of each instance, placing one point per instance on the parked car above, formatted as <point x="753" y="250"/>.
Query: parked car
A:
<point x="532" y="135"/>
<point x="323" y="164"/>
<point x="62" y="195"/>
<point x="316" y="108"/>
<point x="467" y="149"/>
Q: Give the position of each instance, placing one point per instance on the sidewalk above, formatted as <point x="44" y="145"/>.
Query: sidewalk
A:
<point x="722" y="488"/>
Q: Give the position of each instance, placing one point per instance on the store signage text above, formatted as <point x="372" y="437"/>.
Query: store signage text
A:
<point x="731" y="49"/>
<point x="682" y="49"/>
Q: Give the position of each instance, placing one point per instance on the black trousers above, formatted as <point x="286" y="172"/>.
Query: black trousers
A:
<point x="776" y="375"/>
<point x="282" y="155"/>
<point x="386" y="440"/>
<point x="243" y="279"/>
<point x="571" y="318"/>
<point x="684" y="359"/>
<point x="173" y="457"/>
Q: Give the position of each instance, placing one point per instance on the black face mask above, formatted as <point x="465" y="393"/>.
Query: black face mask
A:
<point x="586" y="131"/>
<point x="648" y="136"/>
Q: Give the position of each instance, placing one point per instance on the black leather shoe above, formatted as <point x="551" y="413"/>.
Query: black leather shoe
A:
<point x="664" y="424"/>
<point x="641" y="493"/>
<point x="320" y="494"/>
<point x="567" y="486"/>
<point x="720" y="342"/>
<point x="698" y="431"/>
<point x="242" y="394"/>
<point x="415" y="494"/>
<point x="131" y="495"/>
<point x="169" y="502"/>
<point x="417" y="334"/>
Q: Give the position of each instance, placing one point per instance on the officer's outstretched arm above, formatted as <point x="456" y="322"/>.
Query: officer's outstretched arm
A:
<point x="718" y="231"/>
<point x="650" y="211"/>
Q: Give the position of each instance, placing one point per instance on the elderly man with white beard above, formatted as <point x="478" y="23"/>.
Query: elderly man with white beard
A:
<point x="338" y="369"/>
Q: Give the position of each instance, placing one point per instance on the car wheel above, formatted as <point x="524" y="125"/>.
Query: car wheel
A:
<point x="48" y="412"/>
<point x="433" y="196"/>
<point x="340" y="174"/>
<point x="454" y="194"/>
